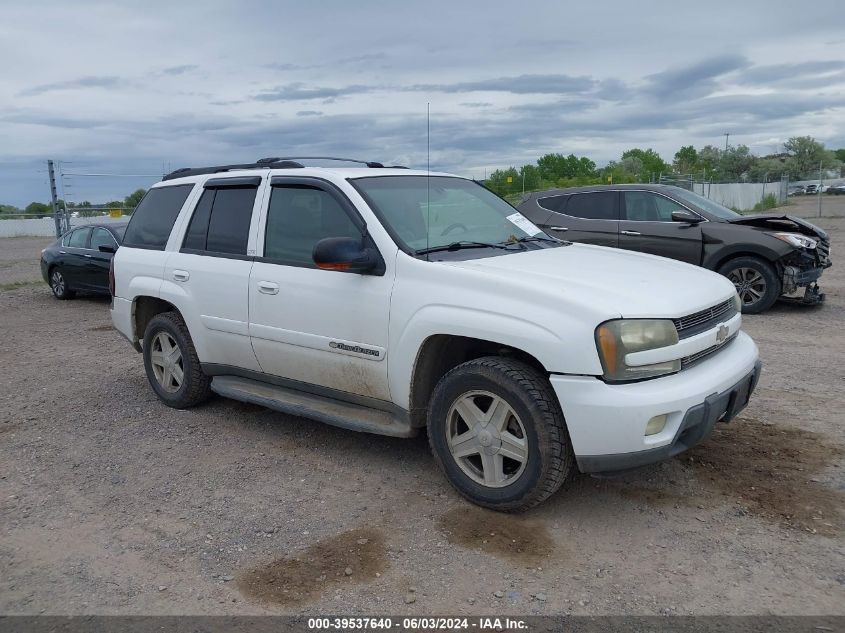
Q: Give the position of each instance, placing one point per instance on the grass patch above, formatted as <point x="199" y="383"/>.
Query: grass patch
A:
<point x="14" y="285"/>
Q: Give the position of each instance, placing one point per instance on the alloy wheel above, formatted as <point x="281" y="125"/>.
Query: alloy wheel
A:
<point x="486" y="438"/>
<point x="166" y="361"/>
<point x="749" y="283"/>
<point x="57" y="281"/>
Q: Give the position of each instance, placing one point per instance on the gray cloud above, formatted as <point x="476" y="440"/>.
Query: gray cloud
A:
<point x="72" y="84"/>
<point x="300" y="92"/>
<point x="179" y="70"/>
<point x="693" y="80"/>
<point x="521" y="84"/>
<point x="309" y="113"/>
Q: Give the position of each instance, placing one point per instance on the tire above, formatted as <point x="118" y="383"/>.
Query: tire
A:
<point x="165" y="333"/>
<point x="58" y="284"/>
<point x="756" y="283"/>
<point x="533" y="413"/>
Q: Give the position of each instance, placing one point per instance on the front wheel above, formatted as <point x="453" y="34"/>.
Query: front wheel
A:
<point x="498" y="434"/>
<point x="171" y="362"/>
<point x="58" y="284"/>
<point x="756" y="283"/>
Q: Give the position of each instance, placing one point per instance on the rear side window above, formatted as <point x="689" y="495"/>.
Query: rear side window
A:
<point x="101" y="237"/>
<point x="79" y="238"/>
<point x="221" y="220"/>
<point x="598" y="205"/>
<point x="153" y="220"/>
<point x="554" y="203"/>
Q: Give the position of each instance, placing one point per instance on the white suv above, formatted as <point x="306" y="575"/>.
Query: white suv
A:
<point x="388" y="300"/>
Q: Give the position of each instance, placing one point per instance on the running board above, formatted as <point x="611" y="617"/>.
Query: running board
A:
<point x="328" y="410"/>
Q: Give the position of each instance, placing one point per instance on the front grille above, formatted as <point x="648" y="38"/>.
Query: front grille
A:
<point x="823" y="249"/>
<point x="705" y="319"/>
<point x="692" y="359"/>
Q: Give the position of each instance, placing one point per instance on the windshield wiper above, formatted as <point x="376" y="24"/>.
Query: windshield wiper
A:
<point x="456" y="246"/>
<point x="537" y="238"/>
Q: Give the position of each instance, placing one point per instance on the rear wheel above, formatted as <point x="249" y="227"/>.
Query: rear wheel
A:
<point x="498" y="434"/>
<point x="756" y="283"/>
<point x="171" y="362"/>
<point x="59" y="286"/>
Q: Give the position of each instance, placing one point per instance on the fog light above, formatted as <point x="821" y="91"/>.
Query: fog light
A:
<point x="656" y="424"/>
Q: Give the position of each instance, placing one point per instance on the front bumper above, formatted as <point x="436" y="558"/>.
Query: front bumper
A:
<point x="44" y="271"/>
<point x="607" y="423"/>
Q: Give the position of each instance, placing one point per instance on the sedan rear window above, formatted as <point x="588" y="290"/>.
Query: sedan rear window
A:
<point x="153" y="220"/>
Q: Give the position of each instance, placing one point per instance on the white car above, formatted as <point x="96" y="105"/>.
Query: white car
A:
<point x="388" y="300"/>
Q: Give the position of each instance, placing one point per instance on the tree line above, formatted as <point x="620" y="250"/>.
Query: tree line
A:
<point x="800" y="159"/>
<point x="85" y="208"/>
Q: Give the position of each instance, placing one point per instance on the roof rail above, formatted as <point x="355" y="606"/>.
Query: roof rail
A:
<point x="368" y="163"/>
<point x="274" y="162"/>
<point x="199" y="171"/>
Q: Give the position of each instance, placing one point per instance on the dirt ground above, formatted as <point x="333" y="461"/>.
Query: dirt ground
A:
<point x="111" y="503"/>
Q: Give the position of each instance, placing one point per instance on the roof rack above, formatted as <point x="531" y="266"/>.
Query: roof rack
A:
<point x="275" y="162"/>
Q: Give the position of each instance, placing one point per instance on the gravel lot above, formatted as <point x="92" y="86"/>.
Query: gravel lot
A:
<point x="111" y="503"/>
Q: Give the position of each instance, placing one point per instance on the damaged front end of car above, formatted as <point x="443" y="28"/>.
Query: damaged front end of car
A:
<point x="802" y="267"/>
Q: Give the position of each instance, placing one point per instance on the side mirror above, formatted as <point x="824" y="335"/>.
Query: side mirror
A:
<point x="346" y="254"/>
<point x="107" y="248"/>
<point x="685" y="216"/>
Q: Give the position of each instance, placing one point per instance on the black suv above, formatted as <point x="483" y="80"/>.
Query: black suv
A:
<point x="765" y="256"/>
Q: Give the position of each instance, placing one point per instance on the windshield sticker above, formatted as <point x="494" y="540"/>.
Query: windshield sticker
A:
<point x="524" y="223"/>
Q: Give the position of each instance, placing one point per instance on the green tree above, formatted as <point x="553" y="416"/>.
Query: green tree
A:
<point x="736" y="163"/>
<point x="9" y="208"/>
<point x="686" y="160"/>
<point x="134" y="198"/>
<point x="839" y="154"/>
<point x="652" y="164"/>
<point x="39" y="209"/>
<point x="806" y="154"/>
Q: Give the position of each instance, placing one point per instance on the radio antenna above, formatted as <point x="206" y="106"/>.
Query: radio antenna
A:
<point x="428" y="175"/>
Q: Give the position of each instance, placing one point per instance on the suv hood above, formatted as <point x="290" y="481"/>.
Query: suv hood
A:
<point x="609" y="281"/>
<point x="778" y="222"/>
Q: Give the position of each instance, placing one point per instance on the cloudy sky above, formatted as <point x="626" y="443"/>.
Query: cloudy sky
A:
<point x="135" y="88"/>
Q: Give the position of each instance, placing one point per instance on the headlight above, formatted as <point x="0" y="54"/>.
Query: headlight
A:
<point x="796" y="239"/>
<point x="616" y="339"/>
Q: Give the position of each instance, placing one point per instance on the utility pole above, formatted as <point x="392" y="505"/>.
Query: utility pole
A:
<point x="727" y="136"/>
<point x="54" y="198"/>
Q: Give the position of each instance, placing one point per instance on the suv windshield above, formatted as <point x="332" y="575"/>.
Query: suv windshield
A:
<point x="430" y="212"/>
<point x="706" y="205"/>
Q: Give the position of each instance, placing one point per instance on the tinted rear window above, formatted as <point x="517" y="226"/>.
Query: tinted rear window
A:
<point x="599" y="205"/>
<point x="153" y="220"/>
<point x="553" y="203"/>
<point x="220" y="223"/>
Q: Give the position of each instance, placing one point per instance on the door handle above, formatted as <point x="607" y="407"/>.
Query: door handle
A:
<point x="87" y="255"/>
<point x="630" y="232"/>
<point x="181" y="275"/>
<point x="559" y="228"/>
<point x="62" y="252"/>
<point x="268" y="287"/>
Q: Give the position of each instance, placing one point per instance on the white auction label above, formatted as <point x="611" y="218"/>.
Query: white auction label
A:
<point x="524" y="223"/>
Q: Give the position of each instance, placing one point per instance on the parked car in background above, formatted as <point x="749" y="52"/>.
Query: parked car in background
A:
<point x="836" y="190"/>
<point x="765" y="256"/>
<point x="811" y="189"/>
<point x="796" y="190"/>
<point x="79" y="260"/>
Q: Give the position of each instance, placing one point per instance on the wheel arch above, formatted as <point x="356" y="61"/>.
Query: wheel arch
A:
<point x="144" y="308"/>
<point x="440" y="353"/>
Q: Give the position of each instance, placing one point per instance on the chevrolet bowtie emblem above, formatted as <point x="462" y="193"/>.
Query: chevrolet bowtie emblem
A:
<point x="722" y="334"/>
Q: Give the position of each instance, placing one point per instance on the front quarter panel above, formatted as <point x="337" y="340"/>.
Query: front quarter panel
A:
<point x="435" y="299"/>
<point x="723" y="241"/>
